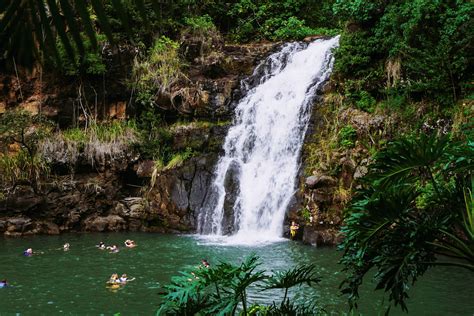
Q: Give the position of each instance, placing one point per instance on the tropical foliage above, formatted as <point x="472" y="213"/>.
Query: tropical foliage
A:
<point x="20" y="134"/>
<point x="414" y="211"/>
<point x="224" y="290"/>
<point x="420" y="48"/>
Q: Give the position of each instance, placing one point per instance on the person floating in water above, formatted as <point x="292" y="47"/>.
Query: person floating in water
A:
<point x="114" y="278"/>
<point x="205" y="263"/>
<point x="130" y="243"/>
<point x="113" y="249"/>
<point x="101" y="245"/>
<point x="293" y="229"/>
<point x="124" y="279"/>
<point x="66" y="246"/>
<point x="28" y="252"/>
<point x="3" y="283"/>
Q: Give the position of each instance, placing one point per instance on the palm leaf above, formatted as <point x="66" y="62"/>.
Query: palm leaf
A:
<point x="86" y="21"/>
<point x="20" y="19"/>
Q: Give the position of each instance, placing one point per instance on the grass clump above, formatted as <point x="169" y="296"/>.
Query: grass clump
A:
<point x="20" y="169"/>
<point x="99" y="143"/>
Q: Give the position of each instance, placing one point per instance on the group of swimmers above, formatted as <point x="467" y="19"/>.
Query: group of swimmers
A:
<point x="114" y="280"/>
<point x="114" y="248"/>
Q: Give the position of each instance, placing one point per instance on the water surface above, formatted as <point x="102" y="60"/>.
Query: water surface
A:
<point x="73" y="282"/>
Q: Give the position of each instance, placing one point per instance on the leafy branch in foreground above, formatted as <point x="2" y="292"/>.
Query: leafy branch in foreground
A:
<point x="29" y="28"/>
<point x="413" y="211"/>
<point x="224" y="289"/>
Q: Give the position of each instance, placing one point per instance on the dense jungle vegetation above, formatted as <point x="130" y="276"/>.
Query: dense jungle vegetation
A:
<point x="407" y="60"/>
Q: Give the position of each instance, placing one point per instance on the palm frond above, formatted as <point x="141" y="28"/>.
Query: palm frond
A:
<point x="30" y="26"/>
<point x="304" y="274"/>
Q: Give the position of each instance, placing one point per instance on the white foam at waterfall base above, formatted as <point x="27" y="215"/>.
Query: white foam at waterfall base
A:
<point x="262" y="148"/>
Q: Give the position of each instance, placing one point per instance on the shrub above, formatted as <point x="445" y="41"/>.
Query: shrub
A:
<point x="294" y="28"/>
<point x="200" y="24"/>
<point x="347" y="136"/>
<point x="157" y="72"/>
<point x="366" y="102"/>
<point x="21" y="168"/>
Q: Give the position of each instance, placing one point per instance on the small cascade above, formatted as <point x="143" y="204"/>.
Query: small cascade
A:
<point x="254" y="181"/>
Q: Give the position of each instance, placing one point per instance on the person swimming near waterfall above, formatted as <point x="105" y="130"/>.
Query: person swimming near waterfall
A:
<point x="113" y="249"/>
<point x="205" y="263"/>
<point x="101" y="245"/>
<point x="3" y="283"/>
<point x="124" y="279"/>
<point x="293" y="229"/>
<point x="28" y="252"/>
<point x="66" y="246"/>
<point x="130" y="243"/>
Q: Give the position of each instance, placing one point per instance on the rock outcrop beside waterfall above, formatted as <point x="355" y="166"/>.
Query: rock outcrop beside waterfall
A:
<point x="126" y="192"/>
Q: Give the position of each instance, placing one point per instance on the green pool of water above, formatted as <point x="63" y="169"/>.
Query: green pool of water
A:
<point x="73" y="282"/>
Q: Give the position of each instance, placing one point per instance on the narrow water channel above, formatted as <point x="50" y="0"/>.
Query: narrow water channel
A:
<point x="73" y="282"/>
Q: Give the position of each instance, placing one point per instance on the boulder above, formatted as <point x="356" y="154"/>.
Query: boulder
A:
<point x="319" y="181"/>
<point x="321" y="237"/>
<point x="18" y="224"/>
<point x="104" y="223"/>
<point x="45" y="227"/>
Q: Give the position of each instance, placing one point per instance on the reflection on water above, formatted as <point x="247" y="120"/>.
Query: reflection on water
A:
<point x="74" y="281"/>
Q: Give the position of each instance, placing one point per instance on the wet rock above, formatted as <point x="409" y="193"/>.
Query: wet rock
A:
<point x="18" y="224"/>
<point x="145" y="168"/>
<point x="319" y="181"/>
<point x="232" y="192"/>
<point x="179" y="195"/>
<point x="347" y="171"/>
<point x="104" y="223"/>
<point x="45" y="227"/>
<point x="321" y="237"/>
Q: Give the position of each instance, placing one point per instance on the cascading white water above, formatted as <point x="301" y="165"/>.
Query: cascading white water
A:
<point x="262" y="147"/>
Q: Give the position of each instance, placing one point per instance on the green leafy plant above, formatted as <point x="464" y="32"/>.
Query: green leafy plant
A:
<point x="223" y="289"/>
<point x="19" y="128"/>
<point x="366" y="102"/>
<point x="347" y="136"/>
<point x="388" y="229"/>
<point x="157" y="72"/>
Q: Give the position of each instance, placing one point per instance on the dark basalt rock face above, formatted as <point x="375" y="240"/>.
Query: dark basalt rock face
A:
<point x="102" y="203"/>
<point x="115" y="194"/>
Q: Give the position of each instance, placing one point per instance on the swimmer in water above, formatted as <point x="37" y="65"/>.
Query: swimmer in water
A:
<point x="129" y="243"/>
<point x="101" y="245"/>
<point x="66" y="246"/>
<point x="28" y="252"/>
<point x="113" y="249"/>
<point x="114" y="278"/>
<point x="124" y="279"/>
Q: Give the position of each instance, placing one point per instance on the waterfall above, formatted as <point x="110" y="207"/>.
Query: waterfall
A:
<point x="255" y="180"/>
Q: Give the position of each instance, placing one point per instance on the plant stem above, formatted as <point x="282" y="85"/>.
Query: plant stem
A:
<point x="244" y="302"/>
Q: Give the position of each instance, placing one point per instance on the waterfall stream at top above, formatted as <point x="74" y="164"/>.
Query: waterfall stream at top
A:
<point x="254" y="181"/>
